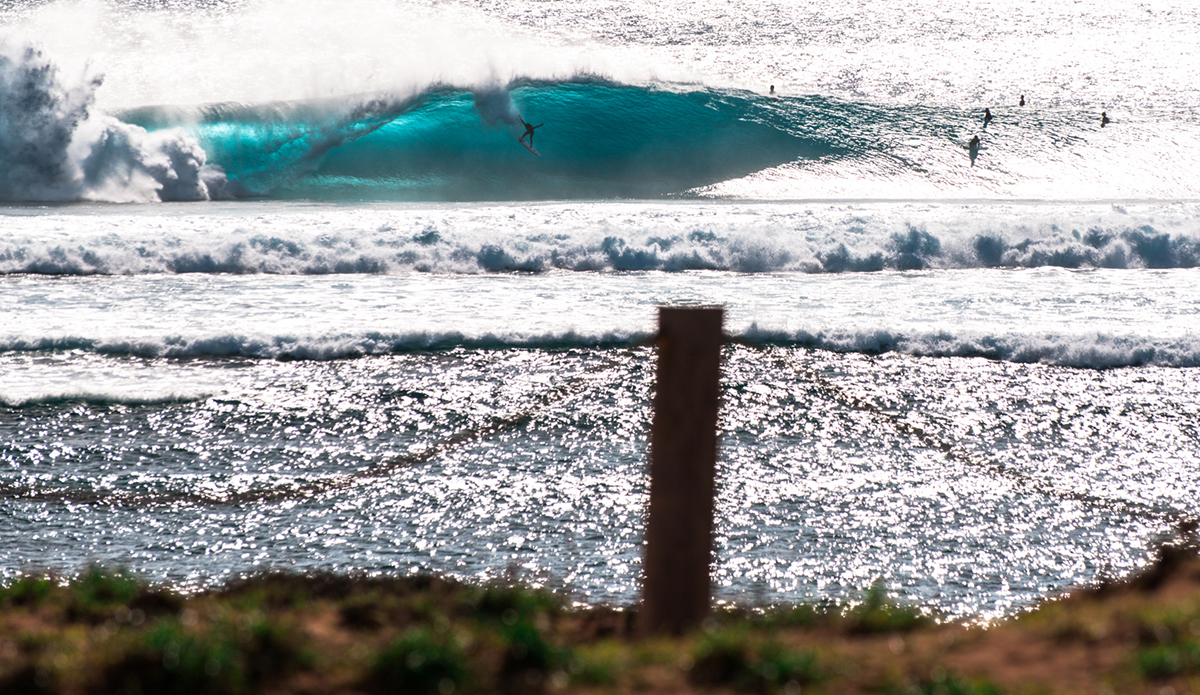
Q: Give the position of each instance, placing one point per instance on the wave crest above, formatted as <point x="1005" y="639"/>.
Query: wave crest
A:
<point x="96" y="399"/>
<point x="1087" y="351"/>
<point x="1095" y="351"/>
<point x="381" y="243"/>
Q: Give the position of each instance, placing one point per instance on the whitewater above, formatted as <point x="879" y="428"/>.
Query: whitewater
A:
<point x="281" y="289"/>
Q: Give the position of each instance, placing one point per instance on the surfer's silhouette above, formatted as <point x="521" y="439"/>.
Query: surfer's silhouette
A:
<point x="973" y="149"/>
<point x="528" y="132"/>
<point x="987" y="117"/>
<point x="772" y="92"/>
<point x="1022" y="100"/>
<point x="1104" y="119"/>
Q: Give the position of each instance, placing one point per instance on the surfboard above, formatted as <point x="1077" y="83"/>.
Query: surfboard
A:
<point x="530" y="148"/>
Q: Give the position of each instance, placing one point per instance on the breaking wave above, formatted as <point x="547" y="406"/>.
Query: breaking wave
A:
<point x="383" y="243"/>
<point x="598" y="139"/>
<point x="97" y="399"/>
<point x="55" y="146"/>
<point x="1089" y="351"/>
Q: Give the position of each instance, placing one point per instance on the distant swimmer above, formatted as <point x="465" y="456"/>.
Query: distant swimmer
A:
<point x="528" y="132"/>
<point x="1104" y="119"/>
<point x="1022" y="100"/>
<point x="987" y="117"/>
<point x="974" y="143"/>
<point x="772" y="92"/>
<point x="973" y="149"/>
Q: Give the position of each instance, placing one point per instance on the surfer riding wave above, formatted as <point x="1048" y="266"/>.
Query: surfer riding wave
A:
<point x="528" y="132"/>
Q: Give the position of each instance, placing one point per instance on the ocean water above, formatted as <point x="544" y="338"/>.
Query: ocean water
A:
<point x="279" y="288"/>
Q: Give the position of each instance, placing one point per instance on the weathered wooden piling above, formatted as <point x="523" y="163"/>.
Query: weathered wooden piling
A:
<point x="676" y="590"/>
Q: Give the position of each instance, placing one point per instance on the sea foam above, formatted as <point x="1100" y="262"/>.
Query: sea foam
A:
<point x="55" y="146"/>
<point x="831" y="238"/>
<point x="1087" y="350"/>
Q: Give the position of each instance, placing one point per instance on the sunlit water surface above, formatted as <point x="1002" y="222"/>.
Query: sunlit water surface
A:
<point x="972" y="374"/>
<point x="975" y="437"/>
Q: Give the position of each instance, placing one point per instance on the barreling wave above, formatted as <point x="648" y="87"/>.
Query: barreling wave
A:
<point x="604" y="139"/>
<point x="1088" y="351"/>
<point x="600" y="140"/>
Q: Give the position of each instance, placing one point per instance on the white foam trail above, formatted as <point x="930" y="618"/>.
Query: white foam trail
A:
<point x="54" y="146"/>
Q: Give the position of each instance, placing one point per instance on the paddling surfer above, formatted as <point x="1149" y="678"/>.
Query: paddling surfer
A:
<point x="528" y="131"/>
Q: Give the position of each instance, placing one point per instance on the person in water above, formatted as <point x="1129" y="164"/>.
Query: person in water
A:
<point x="1104" y="119"/>
<point x="528" y="131"/>
<point x="973" y="149"/>
<point x="1022" y="100"/>
<point x="772" y="92"/>
<point x="987" y="117"/>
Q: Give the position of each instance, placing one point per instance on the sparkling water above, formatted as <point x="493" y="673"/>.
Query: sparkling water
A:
<point x="344" y="321"/>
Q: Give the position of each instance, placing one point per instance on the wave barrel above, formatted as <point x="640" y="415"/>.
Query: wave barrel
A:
<point x="676" y="587"/>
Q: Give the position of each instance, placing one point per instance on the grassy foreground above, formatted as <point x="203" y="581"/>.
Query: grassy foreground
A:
<point x="108" y="632"/>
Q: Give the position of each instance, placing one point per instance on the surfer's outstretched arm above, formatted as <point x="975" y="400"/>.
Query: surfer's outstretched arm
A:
<point x="528" y="131"/>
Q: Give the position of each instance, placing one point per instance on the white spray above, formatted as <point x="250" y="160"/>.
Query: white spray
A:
<point x="54" y="145"/>
<point x="496" y="107"/>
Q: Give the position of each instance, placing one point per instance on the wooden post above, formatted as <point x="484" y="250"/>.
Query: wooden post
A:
<point x="676" y="590"/>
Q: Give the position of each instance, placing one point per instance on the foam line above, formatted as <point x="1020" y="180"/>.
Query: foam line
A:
<point x="847" y="245"/>
<point x="1090" y="351"/>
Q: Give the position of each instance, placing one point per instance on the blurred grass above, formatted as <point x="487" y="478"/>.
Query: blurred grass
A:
<point x="107" y="631"/>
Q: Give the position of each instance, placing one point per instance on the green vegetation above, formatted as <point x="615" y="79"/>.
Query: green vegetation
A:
<point x="420" y="661"/>
<point x="27" y="590"/>
<point x="945" y="684"/>
<point x="235" y="654"/>
<point x="878" y="613"/>
<point x="107" y="632"/>
<point x="750" y="663"/>
<point x="1168" y="660"/>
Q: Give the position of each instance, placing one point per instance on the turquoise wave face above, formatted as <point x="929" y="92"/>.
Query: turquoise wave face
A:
<point x="595" y="140"/>
<point x="598" y="139"/>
